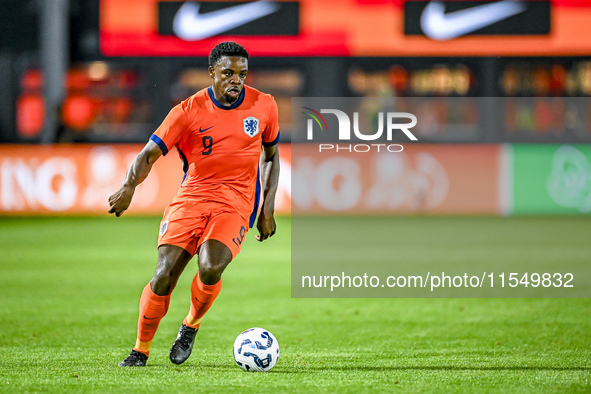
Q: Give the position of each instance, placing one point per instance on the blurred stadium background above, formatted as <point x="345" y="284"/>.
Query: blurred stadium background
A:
<point x="84" y="83"/>
<point x="105" y="72"/>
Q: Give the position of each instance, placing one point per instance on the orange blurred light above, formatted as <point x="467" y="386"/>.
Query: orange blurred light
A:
<point x="78" y="112"/>
<point x="30" y="115"/>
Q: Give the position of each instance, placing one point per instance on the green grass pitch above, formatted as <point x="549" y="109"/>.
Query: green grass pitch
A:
<point x="68" y="313"/>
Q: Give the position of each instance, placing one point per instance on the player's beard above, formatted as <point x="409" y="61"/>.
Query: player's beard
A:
<point x="230" y="99"/>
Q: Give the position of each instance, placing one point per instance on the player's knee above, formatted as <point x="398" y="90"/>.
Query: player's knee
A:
<point x="214" y="257"/>
<point x="211" y="272"/>
<point x="162" y="282"/>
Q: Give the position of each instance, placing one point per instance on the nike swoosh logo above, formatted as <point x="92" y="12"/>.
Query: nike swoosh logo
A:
<point x="202" y="130"/>
<point x="190" y="25"/>
<point x="438" y="25"/>
<point x="150" y="318"/>
<point x="197" y="299"/>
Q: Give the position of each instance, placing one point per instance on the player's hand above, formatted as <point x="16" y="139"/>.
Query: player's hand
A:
<point x="119" y="202"/>
<point x="266" y="226"/>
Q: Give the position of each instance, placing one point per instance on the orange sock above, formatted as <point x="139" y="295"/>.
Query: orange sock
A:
<point x="152" y="309"/>
<point x="202" y="296"/>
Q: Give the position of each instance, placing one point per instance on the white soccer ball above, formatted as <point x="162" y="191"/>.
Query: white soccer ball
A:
<point x="256" y="350"/>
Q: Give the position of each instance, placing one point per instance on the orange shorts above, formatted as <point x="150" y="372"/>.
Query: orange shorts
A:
<point x="188" y="223"/>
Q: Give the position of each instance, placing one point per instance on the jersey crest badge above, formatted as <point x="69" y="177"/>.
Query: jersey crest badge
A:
<point x="251" y="126"/>
<point x="163" y="228"/>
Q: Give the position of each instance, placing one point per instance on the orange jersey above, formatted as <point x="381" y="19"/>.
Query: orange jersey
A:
<point x="220" y="146"/>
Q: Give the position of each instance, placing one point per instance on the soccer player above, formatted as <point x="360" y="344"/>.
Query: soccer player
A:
<point x="218" y="133"/>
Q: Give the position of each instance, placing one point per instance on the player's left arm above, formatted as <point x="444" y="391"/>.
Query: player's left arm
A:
<point x="270" y="179"/>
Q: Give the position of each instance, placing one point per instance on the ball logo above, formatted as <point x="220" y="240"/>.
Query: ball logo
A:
<point x="251" y="126"/>
<point x="256" y="350"/>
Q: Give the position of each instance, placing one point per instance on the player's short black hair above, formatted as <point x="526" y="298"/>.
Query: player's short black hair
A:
<point x="227" y="48"/>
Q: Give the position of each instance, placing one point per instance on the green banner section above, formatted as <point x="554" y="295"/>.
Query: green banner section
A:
<point x="550" y="179"/>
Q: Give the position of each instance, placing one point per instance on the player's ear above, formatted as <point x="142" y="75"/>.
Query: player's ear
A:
<point x="211" y="71"/>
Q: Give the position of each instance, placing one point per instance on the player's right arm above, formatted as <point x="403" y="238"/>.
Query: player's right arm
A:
<point x="165" y="137"/>
<point x="138" y="171"/>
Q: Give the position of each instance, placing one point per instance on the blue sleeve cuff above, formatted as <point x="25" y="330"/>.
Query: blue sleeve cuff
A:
<point x="274" y="142"/>
<point x="160" y="143"/>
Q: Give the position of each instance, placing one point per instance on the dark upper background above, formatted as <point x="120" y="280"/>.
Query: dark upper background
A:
<point x="122" y="98"/>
